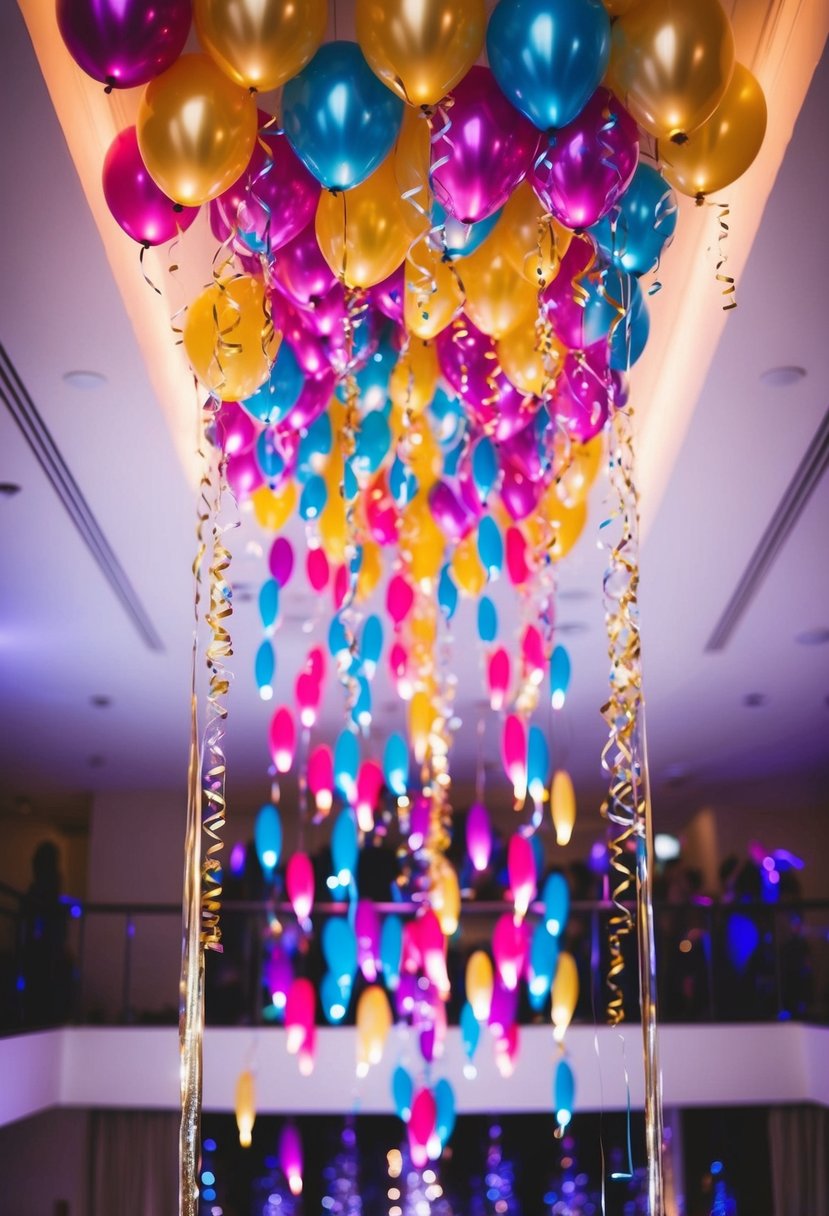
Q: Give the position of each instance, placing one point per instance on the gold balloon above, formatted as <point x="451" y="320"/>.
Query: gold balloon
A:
<point x="333" y="528"/>
<point x="533" y="242"/>
<point x="563" y="806"/>
<point x="421" y="48"/>
<point x="565" y="994"/>
<point x="414" y="378"/>
<point x="421" y="720"/>
<point x="423" y="453"/>
<point x="261" y="43"/>
<point x="617" y="8"/>
<point x="196" y="130"/>
<point x="411" y="157"/>
<point x="497" y="297"/>
<point x="521" y="358"/>
<point x="480" y="982"/>
<point x="364" y="233"/>
<point x="421" y="541"/>
<point x="371" y="570"/>
<point x="445" y="896"/>
<point x="467" y="568"/>
<point x="433" y="294"/>
<point x="722" y="148"/>
<point x="670" y="63"/>
<point x="229" y="337"/>
<point x="575" y="481"/>
<point x="273" y="508"/>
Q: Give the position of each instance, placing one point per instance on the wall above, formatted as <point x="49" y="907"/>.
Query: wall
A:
<point x="44" y="1163"/>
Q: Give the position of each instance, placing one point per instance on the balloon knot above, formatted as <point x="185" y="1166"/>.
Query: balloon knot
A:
<point x="679" y="137"/>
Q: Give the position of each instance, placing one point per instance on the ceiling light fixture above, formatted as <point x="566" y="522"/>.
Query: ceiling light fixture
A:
<point x="100" y="701"/>
<point x="813" y="637"/>
<point x="8" y="489"/>
<point x="84" y="381"/>
<point x="782" y="377"/>
<point x="754" y="700"/>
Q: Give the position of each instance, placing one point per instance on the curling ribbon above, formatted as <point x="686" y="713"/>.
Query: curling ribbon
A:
<point x="729" y="290"/>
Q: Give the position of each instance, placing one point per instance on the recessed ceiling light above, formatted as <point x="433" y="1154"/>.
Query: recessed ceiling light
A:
<point x="571" y="627"/>
<point x="84" y="380"/>
<point x="100" y="701"/>
<point x="782" y="377"/>
<point x="96" y="762"/>
<point x="753" y="700"/>
<point x="813" y="637"/>
<point x="9" y="488"/>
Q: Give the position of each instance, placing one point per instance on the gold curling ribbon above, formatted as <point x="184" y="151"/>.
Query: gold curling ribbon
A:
<point x="729" y="290"/>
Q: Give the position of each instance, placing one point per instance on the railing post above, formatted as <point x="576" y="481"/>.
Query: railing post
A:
<point x="129" y="931"/>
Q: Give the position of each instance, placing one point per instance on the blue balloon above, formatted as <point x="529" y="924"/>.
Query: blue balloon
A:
<point x="490" y="547"/>
<point x="351" y="486"/>
<point x="564" y="1093"/>
<point x="549" y="56"/>
<point x="402" y="1093"/>
<point x="447" y="416"/>
<point x="484" y="466"/>
<point x="543" y="962"/>
<point x="470" y="1031"/>
<point x="645" y="220"/>
<point x="313" y="498"/>
<point x="372" y="442"/>
<point x="269" y="458"/>
<point x="556" y="904"/>
<point x="373" y="377"/>
<point x="334" y="999"/>
<point x="538" y="761"/>
<point x="339" y="948"/>
<point x="265" y="669"/>
<point x="361" y="711"/>
<point x="269" y="604"/>
<point x="459" y="239"/>
<point x="391" y="949"/>
<point x="280" y="392"/>
<point x="402" y="483"/>
<point x="444" y="1096"/>
<point x="371" y="644"/>
<point x="487" y="620"/>
<point x="344" y="847"/>
<point x="447" y="593"/>
<point x="316" y="442"/>
<point x="346" y="764"/>
<point x="338" y="644"/>
<point x="631" y="334"/>
<point x="452" y="456"/>
<point x="339" y="118"/>
<point x="396" y="764"/>
<point x="267" y="837"/>
<point x="559" y="676"/>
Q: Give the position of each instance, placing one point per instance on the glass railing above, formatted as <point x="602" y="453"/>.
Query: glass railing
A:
<point x="114" y="964"/>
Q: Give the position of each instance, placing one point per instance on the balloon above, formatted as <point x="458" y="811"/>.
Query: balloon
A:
<point x="670" y="64"/>
<point x="235" y="430"/>
<point x="244" y="477"/>
<point x="467" y="570"/>
<point x="421" y="1125"/>
<point x="274" y="400"/>
<point x="479" y="984"/>
<point x="333" y="999"/>
<point x="517" y="566"/>
<point x="518" y="493"/>
<point x="486" y="150"/>
<point x="260" y="43"/>
<point x="445" y="1109"/>
<point x="372" y="443"/>
<point x="365" y="236"/>
<point x="484" y="466"/>
<point x="630" y="336"/>
<point x="470" y="1032"/>
<point x="269" y="605"/>
<point x="534" y="242"/>
<point x="313" y="498"/>
<point x="487" y="620"/>
<point x="498" y="678"/>
<point x="273" y="510"/>
<point x="521" y="871"/>
<point x="449" y="511"/>
<point x="229" y="338"/>
<point x="281" y="561"/>
<point x="264" y="670"/>
<point x="399" y="599"/>
<point x="317" y="569"/>
<point x="321" y="778"/>
<point x="290" y="1157"/>
<point x="447" y="593"/>
<point x="339" y="118"/>
<point x="268" y="838"/>
<point x="367" y="928"/>
<point x="196" y="130"/>
<point x="721" y="148"/>
<point x="245" y="1107"/>
<point x="585" y="302"/>
<point x="565" y="994"/>
<point x="563" y="806"/>
<point x="498" y="298"/>
<point x="640" y="224"/>
<point x="510" y="947"/>
<point x="564" y="1094"/>
<point x="414" y="378"/>
<point x="433" y="293"/>
<point x="503" y="1010"/>
<point x="490" y="547"/>
<point x="137" y="204"/>
<point x="514" y="754"/>
<point x="339" y="948"/>
<point x="521" y="355"/>
<point x="369" y="785"/>
<point x="282" y="739"/>
<point x="402" y="1089"/>
<point x="548" y="55"/>
<point x="422" y="50"/>
<point x="273" y="200"/>
<point x="396" y="765"/>
<point x="589" y="163"/>
<point x="542" y="966"/>
<point x="344" y="846"/>
<point x="445" y="896"/>
<point x="556" y="904"/>
<point x="538" y="764"/>
<point x="302" y="269"/>
<point x="391" y="948"/>
<point x="559" y="676"/>
<point x="371" y="570"/>
<point x="421" y="721"/>
<point x="459" y="239"/>
<point x="387" y="297"/>
<point x="124" y="43"/>
<point x="371" y="644"/>
<point x="299" y="883"/>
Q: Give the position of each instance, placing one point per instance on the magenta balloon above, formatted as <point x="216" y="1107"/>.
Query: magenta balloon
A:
<point x="243" y="474"/>
<point x="467" y="359"/>
<point x="124" y="43"/>
<point x="589" y="163"/>
<point x="326" y="314"/>
<point x="619" y="389"/>
<point x="518" y="494"/>
<point x="485" y="150"/>
<point x="302" y="270"/>
<point x="503" y="1009"/>
<point x="582" y="399"/>
<point x="521" y="451"/>
<point x="276" y="197"/>
<point x="381" y="513"/>
<point x="450" y="512"/>
<point x="296" y="329"/>
<point x="235" y="429"/>
<point x="469" y="493"/>
<point x="312" y="401"/>
<point x="515" y="409"/>
<point x="389" y="296"/>
<point x="561" y="298"/>
<point x="143" y="211"/>
<point x="281" y="560"/>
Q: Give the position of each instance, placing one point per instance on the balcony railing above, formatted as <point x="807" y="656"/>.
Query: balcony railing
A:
<point x="116" y="964"/>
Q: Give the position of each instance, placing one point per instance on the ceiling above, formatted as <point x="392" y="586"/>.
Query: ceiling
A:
<point x="719" y="449"/>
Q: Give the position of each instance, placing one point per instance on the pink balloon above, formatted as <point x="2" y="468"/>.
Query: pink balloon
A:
<point x="449" y="511"/>
<point x="307" y="694"/>
<point x="302" y="270"/>
<point x="563" y="298"/>
<point x="321" y="778"/>
<point x="275" y="198"/>
<point x="236" y="431"/>
<point x="510" y="949"/>
<point x="300" y="1013"/>
<point x="514" y="751"/>
<point x="243" y="474"/>
<point x="583" y="393"/>
<point x="317" y="569"/>
<point x="297" y="330"/>
<point x="367" y="929"/>
<point x="521" y="871"/>
<point x="399" y="599"/>
<point x="124" y="43"/>
<point x="299" y="883"/>
<point x="279" y="976"/>
<point x="381" y="513"/>
<point x="467" y="359"/>
<point x="143" y="211"/>
<point x="369" y="784"/>
<point x="485" y="150"/>
<point x="589" y="162"/>
<point x="478" y="836"/>
<point x="389" y="296"/>
<point x="326" y="315"/>
<point x="521" y="450"/>
<point x="339" y="586"/>
<point x="422" y="1122"/>
<point x="498" y="677"/>
<point x="419" y="825"/>
<point x="405" y="995"/>
<point x="533" y="654"/>
<point x="281" y="560"/>
<point x="282" y="739"/>
<point x="518" y="494"/>
<point x="504" y="1007"/>
<point x="312" y="401"/>
<point x="398" y="661"/>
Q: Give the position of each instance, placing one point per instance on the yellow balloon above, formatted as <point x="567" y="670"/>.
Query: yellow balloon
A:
<point x="373" y="1022"/>
<point x="421" y="718"/>
<point x="563" y="806"/>
<point x="480" y="981"/>
<point x="421" y="541"/>
<point x="467" y="568"/>
<point x="575" y="481"/>
<point x="722" y="148"/>
<point x="414" y="378"/>
<point x="332" y="522"/>
<point x="261" y="43"/>
<point x="229" y="337"/>
<point x="445" y="897"/>
<point x="371" y="570"/>
<point x="245" y="1105"/>
<point x="497" y="297"/>
<point x="196" y="130"/>
<point x="525" y="365"/>
<point x="423" y="453"/>
<point x="617" y="8"/>
<point x="422" y="49"/>
<point x="411" y="158"/>
<point x="565" y="994"/>
<point x="273" y="508"/>
<point x="533" y="242"/>
<point x="433" y="292"/>
<point x="363" y="233"/>
<point x="590" y="457"/>
<point x="670" y="63"/>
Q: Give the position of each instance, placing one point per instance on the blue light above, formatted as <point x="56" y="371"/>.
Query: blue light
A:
<point x="76" y="911"/>
<point x="208" y="1193"/>
<point x="210" y="1146"/>
<point x="208" y="1177"/>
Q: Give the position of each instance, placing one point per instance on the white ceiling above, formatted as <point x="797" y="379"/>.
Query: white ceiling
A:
<point x="64" y="637"/>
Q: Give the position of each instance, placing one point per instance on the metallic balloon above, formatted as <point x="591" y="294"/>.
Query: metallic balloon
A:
<point x="261" y="43"/>
<point x="124" y="43"/>
<point x="143" y="211"/>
